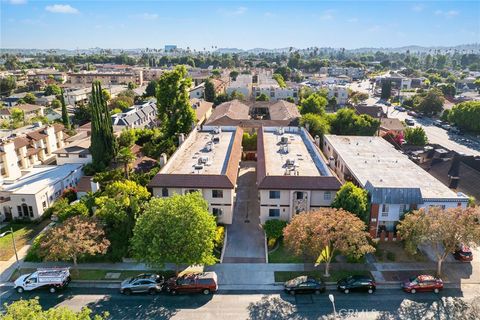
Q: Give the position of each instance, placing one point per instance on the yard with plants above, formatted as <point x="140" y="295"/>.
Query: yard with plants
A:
<point x="23" y="233"/>
<point x="394" y="252"/>
<point x="335" y="275"/>
<point x="280" y="254"/>
<point x="97" y="275"/>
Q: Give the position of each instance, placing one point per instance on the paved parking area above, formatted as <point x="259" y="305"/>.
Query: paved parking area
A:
<point x="245" y="239"/>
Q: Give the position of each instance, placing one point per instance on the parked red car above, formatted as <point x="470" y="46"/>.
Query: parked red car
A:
<point x="463" y="253"/>
<point x="205" y="283"/>
<point x="423" y="283"/>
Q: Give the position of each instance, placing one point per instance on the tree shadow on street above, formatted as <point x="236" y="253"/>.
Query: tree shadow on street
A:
<point x="445" y="308"/>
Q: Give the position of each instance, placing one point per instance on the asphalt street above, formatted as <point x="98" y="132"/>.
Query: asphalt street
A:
<point x="252" y="305"/>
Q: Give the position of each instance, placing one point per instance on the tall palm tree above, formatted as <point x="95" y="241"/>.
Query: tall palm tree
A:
<point x="126" y="156"/>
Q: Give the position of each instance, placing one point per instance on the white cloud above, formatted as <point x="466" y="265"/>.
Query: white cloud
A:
<point x="418" y="8"/>
<point x="147" y="16"/>
<point x="352" y="20"/>
<point x="234" y="12"/>
<point x="17" y="1"/>
<point x="62" y="8"/>
<point x="327" y="15"/>
<point x="447" y="14"/>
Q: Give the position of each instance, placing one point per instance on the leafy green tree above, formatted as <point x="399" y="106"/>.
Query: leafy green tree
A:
<point x="106" y="95"/>
<point x="74" y="209"/>
<point x="432" y="102"/>
<point x="82" y="114"/>
<point x="284" y="71"/>
<point x="448" y="89"/>
<point x="30" y="98"/>
<point x="353" y="199"/>
<point x="173" y="101"/>
<point x="178" y="230"/>
<point x="249" y="141"/>
<point x="132" y="85"/>
<point x="416" y="136"/>
<point x="209" y="91"/>
<point x="346" y="122"/>
<point x="17" y="116"/>
<point x="234" y="74"/>
<point x="332" y="103"/>
<point x="56" y="104"/>
<point x="442" y="230"/>
<point x="32" y="310"/>
<point x="236" y="95"/>
<point x="65" y="116"/>
<point x="221" y="98"/>
<point x="52" y="90"/>
<point x="151" y="90"/>
<point x="466" y="115"/>
<point x="262" y="97"/>
<point x="127" y="138"/>
<point x="274" y="228"/>
<point x="125" y="156"/>
<point x="317" y="125"/>
<point x="313" y="104"/>
<point x="102" y="139"/>
<point x="279" y="78"/>
<point x="75" y="237"/>
<point x="386" y="90"/>
<point x="7" y="85"/>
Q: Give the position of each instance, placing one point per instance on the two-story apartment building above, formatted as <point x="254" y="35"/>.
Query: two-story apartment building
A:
<point x="86" y="78"/>
<point x="137" y="116"/>
<point x="207" y="162"/>
<point x="292" y="175"/>
<point x="28" y="147"/>
<point x="395" y="183"/>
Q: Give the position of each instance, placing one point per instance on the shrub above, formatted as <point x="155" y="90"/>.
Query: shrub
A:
<point x="274" y="228"/>
<point x="75" y="209"/>
<point x="33" y="252"/>
<point x="271" y="242"/>
<point x="70" y="194"/>
<point x="219" y="236"/>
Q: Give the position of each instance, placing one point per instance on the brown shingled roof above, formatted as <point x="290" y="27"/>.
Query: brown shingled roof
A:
<point x="20" y="142"/>
<point x="283" y="110"/>
<point x="233" y="110"/>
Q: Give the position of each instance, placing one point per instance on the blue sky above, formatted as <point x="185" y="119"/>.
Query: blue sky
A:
<point x="251" y="24"/>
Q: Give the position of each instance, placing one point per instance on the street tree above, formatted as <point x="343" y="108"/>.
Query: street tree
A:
<point x="346" y="122"/>
<point x="353" y="199"/>
<point x="432" y="102"/>
<point x="173" y="102"/>
<point x="7" y="85"/>
<point x="314" y="103"/>
<point x="102" y="139"/>
<point x="441" y="230"/>
<point x="32" y="310"/>
<point x="466" y="115"/>
<point x="386" y="90"/>
<point x="416" y="136"/>
<point x="75" y="237"/>
<point x="209" y="91"/>
<point x="178" y="230"/>
<point x="321" y="234"/>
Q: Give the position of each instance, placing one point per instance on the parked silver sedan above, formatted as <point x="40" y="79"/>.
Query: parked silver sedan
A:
<point x="150" y="283"/>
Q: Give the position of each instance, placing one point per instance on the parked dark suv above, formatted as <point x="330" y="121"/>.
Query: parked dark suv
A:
<point x="205" y="283"/>
<point x="304" y="284"/>
<point x="357" y="284"/>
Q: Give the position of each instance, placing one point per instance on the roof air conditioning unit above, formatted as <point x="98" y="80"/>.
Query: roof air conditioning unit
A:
<point x="202" y="160"/>
<point x="290" y="162"/>
<point x="198" y="167"/>
<point x="284" y="140"/>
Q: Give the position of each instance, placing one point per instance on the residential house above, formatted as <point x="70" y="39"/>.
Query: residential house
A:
<point x="203" y="110"/>
<point x="391" y="125"/>
<point x="137" y="116"/>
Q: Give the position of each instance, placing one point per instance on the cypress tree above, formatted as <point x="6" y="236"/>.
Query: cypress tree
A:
<point x="102" y="139"/>
<point x="65" y="117"/>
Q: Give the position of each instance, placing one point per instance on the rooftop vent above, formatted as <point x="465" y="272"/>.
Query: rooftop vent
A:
<point x="284" y="140"/>
<point x="198" y="167"/>
<point x="216" y="139"/>
<point x="217" y="130"/>
<point x="290" y="162"/>
<point x="202" y="160"/>
<point x="280" y="131"/>
<point x="209" y="146"/>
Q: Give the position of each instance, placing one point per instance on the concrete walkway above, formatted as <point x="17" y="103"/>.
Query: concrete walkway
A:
<point x="246" y="239"/>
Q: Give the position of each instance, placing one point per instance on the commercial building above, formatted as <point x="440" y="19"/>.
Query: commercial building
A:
<point x="28" y="197"/>
<point x="292" y="174"/>
<point x="26" y="147"/>
<point x="207" y="162"/>
<point x="395" y="183"/>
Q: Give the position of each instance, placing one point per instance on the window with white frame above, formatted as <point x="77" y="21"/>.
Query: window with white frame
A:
<point x="217" y="212"/>
<point x="327" y="195"/>
<point x="274" y="212"/>
<point x="217" y="193"/>
<point x="385" y="210"/>
<point x="274" y="194"/>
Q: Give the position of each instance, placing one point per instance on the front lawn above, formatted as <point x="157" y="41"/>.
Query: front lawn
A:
<point x="23" y="233"/>
<point x="394" y="252"/>
<point x="335" y="275"/>
<point x="97" y="275"/>
<point x="282" y="255"/>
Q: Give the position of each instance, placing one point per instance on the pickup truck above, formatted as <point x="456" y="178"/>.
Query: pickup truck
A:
<point x="48" y="278"/>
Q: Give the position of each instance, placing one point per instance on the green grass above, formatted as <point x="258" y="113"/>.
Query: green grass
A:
<point x="97" y="275"/>
<point x="335" y="275"/>
<point x="282" y="255"/>
<point x="23" y="233"/>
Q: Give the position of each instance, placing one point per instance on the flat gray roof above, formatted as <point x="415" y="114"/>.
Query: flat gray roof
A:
<point x="375" y="160"/>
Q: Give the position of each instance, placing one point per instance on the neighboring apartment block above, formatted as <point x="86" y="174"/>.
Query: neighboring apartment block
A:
<point x="207" y="162"/>
<point x="86" y="78"/>
<point x="242" y="84"/>
<point x="137" y="116"/>
<point x="395" y="183"/>
<point x="292" y="175"/>
<point x="27" y="147"/>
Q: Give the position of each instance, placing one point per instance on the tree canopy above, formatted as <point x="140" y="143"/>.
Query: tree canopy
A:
<point x="178" y="230"/>
<point x="209" y="91"/>
<point x="416" y="136"/>
<point x="346" y="122"/>
<point x="466" y="115"/>
<point x="52" y="89"/>
<point x="353" y="199"/>
<point x="317" y="125"/>
<point x="314" y="103"/>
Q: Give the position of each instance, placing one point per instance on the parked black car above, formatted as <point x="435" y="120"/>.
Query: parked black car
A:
<point x="356" y="284"/>
<point x="304" y="284"/>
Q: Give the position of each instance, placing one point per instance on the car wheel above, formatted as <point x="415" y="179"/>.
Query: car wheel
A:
<point x="370" y="290"/>
<point x="317" y="291"/>
<point x="52" y="290"/>
<point x="413" y="291"/>
<point x="436" y="290"/>
<point x="127" y="292"/>
<point x="206" y="291"/>
<point x="20" y="290"/>
<point x="152" y="291"/>
<point x="346" y="291"/>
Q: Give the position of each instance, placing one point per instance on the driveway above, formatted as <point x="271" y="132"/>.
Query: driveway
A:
<point x="245" y="239"/>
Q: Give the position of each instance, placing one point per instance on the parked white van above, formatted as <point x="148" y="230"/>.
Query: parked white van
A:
<point x="51" y="278"/>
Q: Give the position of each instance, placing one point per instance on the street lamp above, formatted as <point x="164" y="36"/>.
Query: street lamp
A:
<point x="332" y="299"/>
<point x="13" y="241"/>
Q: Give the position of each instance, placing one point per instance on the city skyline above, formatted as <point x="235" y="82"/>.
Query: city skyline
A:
<point x="231" y="24"/>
